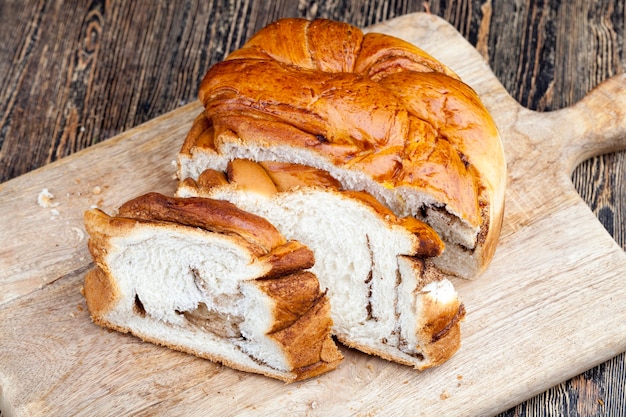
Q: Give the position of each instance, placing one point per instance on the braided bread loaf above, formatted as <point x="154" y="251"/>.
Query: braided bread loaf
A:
<point x="375" y="112"/>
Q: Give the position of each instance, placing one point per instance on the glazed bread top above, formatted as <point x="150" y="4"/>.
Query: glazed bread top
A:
<point x="324" y="94"/>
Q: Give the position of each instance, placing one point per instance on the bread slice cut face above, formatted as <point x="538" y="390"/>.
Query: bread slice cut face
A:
<point x="207" y="278"/>
<point x="386" y="296"/>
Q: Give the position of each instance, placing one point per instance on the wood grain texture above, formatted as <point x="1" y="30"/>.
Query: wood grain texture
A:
<point x="82" y="72"/>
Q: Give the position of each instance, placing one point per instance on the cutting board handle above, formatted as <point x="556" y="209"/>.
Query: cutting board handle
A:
<point x="597" y="122"/>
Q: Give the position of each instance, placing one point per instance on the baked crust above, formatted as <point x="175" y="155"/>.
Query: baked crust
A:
<point x="212" y="215"/>
<point x="101" y="292"/>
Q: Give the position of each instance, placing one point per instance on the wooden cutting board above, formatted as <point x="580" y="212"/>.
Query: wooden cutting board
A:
<point x="551" y="305"/>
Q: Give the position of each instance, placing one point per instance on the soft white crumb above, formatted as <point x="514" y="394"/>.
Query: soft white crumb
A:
<point x="44" y="199"/>
<point x="444" y="395"/>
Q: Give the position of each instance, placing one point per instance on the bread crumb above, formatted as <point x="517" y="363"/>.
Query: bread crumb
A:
<point x="444" y="395"/>
<point x="96" y="190"/>
<point x="459" y="377"/>
<point x="44" y="199"/>
<point x="80" y="235"/>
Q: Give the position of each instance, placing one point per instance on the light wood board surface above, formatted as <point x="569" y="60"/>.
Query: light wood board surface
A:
<point x="552" y="303"/>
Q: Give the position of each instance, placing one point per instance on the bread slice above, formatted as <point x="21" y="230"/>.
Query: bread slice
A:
<point x="376" y="112"/>
<point x="386" y="296"/>
<point x="209" y="279"/>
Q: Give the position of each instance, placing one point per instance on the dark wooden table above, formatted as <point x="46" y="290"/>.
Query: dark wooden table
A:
<point x="74" y="73"/>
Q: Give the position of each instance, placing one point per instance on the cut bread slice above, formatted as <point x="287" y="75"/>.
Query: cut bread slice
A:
<point x="386" y="296"/>
<point x="209" y="279"/>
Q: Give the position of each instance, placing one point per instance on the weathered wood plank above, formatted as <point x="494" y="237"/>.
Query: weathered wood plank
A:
<point x="83" y="72"/>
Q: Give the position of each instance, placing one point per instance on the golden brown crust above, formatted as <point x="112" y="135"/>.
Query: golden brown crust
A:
<point x="327" y="55"/>
<point x="382" y="55"/>
<point x="280" y="46"/>
<point x="437" y="351"/>
<point x="293" y="295"/>
<point x="101" y="292"/>
<point x="430" y="244"/>
<point x="101" y="228"/>
<point x="307" y="341"/>
<point x="455" y="111"/>
<point x="442" y="349"/>
<point x="359" y="117"/>
<point x="249" y="175"/>
<point x="491" y="234"/>
<point x="441" y="327"/>
<point x="213" y="215"/>
<point x="97" y="224"/>
<point x="369" y="200"/>
<point x="201" y="135"/>
<point x="287" y="176"/>
<point x="211" y="178"/>
<point x="288" y="258"/>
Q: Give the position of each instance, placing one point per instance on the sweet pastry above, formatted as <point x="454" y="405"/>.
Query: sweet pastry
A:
<point x="207" y="278"/>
